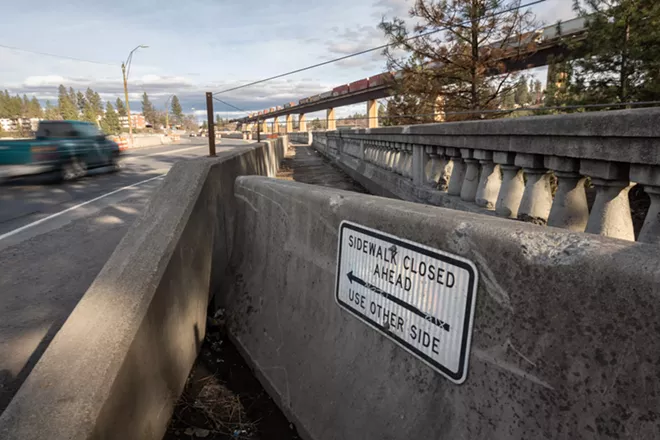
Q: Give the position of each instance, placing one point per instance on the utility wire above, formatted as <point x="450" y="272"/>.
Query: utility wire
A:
<point x="229" y="105"/>
<point x="18" y="49"/>
<point x="362" y="52"/>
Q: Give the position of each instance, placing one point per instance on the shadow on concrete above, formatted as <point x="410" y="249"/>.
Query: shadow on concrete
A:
<point x="44" y="277"/>
<point x="305" y="165"/>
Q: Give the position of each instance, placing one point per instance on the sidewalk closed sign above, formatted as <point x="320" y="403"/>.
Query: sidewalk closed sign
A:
<point x="421" y="298"/>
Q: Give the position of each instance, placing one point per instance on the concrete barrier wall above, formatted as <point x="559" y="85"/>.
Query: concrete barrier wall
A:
<point x="140" y="141"/>
<point x="119" y="363"/>
<point x="301" y="137"/>
<point x="565" y="339"/>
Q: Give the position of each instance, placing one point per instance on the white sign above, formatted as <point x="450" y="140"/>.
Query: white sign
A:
<point x="420" y="297"/>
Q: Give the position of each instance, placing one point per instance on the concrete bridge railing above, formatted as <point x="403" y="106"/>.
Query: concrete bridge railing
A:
<point x="532" y="169"/>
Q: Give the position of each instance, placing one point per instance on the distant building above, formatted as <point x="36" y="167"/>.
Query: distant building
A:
<point x="25" y="124"/>
<point x="137" y="121"/>
<point x="7" y="124"/>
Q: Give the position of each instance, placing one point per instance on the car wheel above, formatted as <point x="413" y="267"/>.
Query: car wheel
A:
<point x="73" y="169"/>
<point x="114" y="162"/>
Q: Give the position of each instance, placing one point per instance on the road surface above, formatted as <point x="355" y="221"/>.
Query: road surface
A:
<point x="54" y="240"/>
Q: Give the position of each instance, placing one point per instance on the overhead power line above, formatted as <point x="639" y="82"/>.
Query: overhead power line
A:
<point x="65" y="57"/>
<point x="373" y="49"/>
<point x="229" y="105"/>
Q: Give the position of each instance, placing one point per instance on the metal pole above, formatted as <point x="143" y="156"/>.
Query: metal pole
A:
<point x="258" y="130"/>
<point x="128" y="106"/>
<point x="209" y="115"/>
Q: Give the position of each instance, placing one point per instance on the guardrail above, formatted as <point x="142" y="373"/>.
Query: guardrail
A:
<point x="533" y="169"/>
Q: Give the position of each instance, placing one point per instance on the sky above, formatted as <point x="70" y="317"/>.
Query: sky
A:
<point x="200" y="45"/>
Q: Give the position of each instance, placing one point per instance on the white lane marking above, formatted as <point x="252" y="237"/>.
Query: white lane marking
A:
<point x="57" y="214"/>
<point x="163" y="153"/>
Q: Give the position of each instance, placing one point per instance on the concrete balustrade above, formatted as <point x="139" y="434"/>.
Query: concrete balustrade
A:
<point x="536" y="169"/>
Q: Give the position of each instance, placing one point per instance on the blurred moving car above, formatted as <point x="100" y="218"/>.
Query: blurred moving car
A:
<point x="66" y="148"/>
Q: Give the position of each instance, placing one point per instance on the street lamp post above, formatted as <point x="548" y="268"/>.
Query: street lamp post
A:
<point x="126" y="70"/>
<point x="167" y="112"/>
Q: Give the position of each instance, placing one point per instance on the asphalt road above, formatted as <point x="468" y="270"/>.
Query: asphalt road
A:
<point x="54" y="240"/>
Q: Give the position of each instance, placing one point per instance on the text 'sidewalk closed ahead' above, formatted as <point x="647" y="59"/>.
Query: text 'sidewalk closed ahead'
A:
<point x="420" y="297"/>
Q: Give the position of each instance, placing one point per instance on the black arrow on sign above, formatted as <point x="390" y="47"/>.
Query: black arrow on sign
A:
<point x="396" y="300"/>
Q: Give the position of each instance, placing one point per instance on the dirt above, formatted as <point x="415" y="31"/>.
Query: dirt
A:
<point x="224" y="400"/>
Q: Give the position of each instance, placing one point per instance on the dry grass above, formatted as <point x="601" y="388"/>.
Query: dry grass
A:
<point x="222" y="409"/>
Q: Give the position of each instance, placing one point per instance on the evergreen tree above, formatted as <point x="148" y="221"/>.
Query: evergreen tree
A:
<point x="509" y="100"/>
<point x="148" y="110"/>
<point x="73" y="97"/>
<point x="521" y="94"/>
<point x="3" y="104"/>
<point x="110" y="122"/>
<point x="462" y="63"/>
<point x="95" y="102"/>
<point x="35" y="108"/>
<point x="121" y="108"/>
<point x="89" y="113"/>
<point x="177" y="111"/>
<point x="25" y="107"/>
<point x="80" y="101"/>
<point x="51" y="113"/>
<point x="11" y="107"/>
<point x="66" y="107"/>
<point x="205" y="126"/>
<point x="623" y="62"/>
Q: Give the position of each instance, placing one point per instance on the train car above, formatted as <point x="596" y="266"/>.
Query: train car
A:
<point x="279" y="107"/>
<point x="289" y="104"/>
<point x="379" y="80"/>
<point x="315" y="98"/>
<point x="326" y="95"/>
<point x="303" y="101"/>
<point x="340" y="90"/>
<point x="272" y="109"/>
<point x="356" y="86"/>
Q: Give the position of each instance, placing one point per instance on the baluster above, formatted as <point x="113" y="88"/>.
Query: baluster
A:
<point x="432" y="169"/>
<point x="490" y="180"/>
<point x="471" y="180"/>
<point x="458" y="171"/>
<point x="649" y="176"/>
<point x="610" y="215"/>
<point x="569" y="209"/>
<point x="389" y="156"/>
<point x="398" y="161"/>
<point x="513" y="185"/>
<point x="408" y="170"/>
<point x="537" y="197"/>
